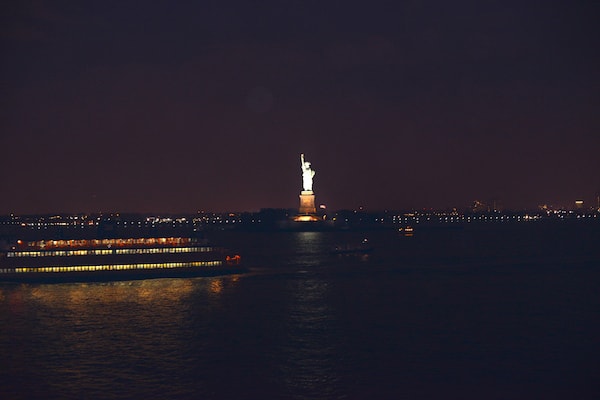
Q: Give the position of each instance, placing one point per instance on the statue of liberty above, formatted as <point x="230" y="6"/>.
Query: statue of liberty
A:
<point x="307" y="174"/>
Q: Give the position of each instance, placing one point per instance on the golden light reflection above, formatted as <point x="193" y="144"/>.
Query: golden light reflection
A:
<point x="98" y="297"/>
<point x="87" y="297"/>
<point x="91" y="295"/>
<point x="216" y="286"/>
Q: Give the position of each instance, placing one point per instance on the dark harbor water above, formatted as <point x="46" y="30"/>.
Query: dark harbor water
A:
<point x="489" y="312"/>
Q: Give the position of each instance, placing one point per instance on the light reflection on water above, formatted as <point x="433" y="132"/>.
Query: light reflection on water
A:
<point x="309" y="248"/>
<point x="97" y="340"/>
<point x="92" y="294"/>
<point x="310" y="349"/>
<point x="86" y="297"/>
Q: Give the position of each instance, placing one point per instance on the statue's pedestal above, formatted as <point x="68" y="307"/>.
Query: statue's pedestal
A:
<point x="307" y="202"/>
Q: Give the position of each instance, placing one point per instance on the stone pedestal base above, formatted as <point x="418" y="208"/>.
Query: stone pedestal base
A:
<point x="307" y="202"/>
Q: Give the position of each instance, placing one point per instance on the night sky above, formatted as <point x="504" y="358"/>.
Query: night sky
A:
<point x="206" y="105"/>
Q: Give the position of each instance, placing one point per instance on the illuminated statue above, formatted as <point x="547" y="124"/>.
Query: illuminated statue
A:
<point x="307" y="174"/>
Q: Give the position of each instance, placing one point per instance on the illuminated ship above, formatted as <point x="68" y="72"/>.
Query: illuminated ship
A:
<point x="114" y="259"/>
<point x="407" y="231"/>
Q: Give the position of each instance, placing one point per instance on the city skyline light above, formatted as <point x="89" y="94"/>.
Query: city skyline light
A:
<point x="118" y="107"/>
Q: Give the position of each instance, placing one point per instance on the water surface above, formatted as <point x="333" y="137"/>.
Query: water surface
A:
<point x="487" y="312"/>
